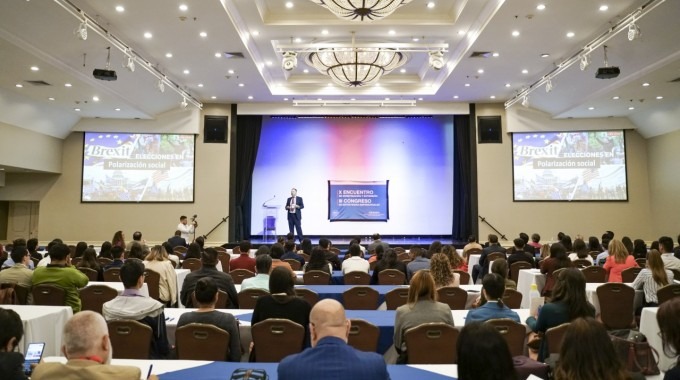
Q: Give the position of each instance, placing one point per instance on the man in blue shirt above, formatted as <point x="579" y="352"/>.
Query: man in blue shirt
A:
<point x="493" y="287"/>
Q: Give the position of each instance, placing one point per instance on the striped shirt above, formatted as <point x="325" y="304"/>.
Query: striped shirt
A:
<point x="645" y="281"/>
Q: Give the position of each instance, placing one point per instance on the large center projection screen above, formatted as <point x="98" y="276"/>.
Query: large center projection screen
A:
<point x="414" y="154"/>
<point x="569" y="166"/>
<point x="131" y="167"/>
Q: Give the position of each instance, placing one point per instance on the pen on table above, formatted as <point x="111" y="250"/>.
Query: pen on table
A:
<point x="148" y="375"/>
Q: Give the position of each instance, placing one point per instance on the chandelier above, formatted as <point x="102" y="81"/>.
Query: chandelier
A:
<point x="355" y="67"/>
<point x="358" y="10"/>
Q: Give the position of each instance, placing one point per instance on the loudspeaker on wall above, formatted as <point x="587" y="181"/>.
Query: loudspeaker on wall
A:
<point x="215" y="129"/>
<point x="489" y="130"/>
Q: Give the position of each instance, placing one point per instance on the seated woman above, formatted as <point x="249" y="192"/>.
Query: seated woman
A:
<point x="618" y="261"/>
<point x="421" y="307"/>
<point x="11" y="361"/>
<point x="282" y="303"/>
<point x="493" y="287"/>
<point x="105" y="250"/>
<point x="667" y="317"/>
<point x="457" y="262"/>
<point x="558" y="259"/>
<point x="653" y="277"/>
<point x="89" y="260"/>
<point x="317" y="261"/>
<point x="483" y="354"/>
<point x="440" y="268"/>
<point x="157" y="260"/>
<point x="500" y="267"/>
<point x="568" y="303"/>
<point x="388" y="261"/>
<point x="206" y="297"/>
<point x="588" y="353"/>
<point x="580" y="251"/>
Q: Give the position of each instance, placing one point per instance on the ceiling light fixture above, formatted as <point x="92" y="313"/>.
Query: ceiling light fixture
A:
<point x="160" y="86"/>
<point x="129" y="63"/>
<point x="585" y="61"/>
<point x="525" y="101"/>
<point x="289" y="61"/>
<point x="184" y="103"/>
<point x="633" y="31"/>
<point x="436" y="59"/>
<point x="81" y="31"/>
<point x="548" y="85"/>
<point x="366" y="10"/>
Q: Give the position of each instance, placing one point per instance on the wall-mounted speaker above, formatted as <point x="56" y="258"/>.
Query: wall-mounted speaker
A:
<point x="216" y="129"/>
<point x="489" y="130"/>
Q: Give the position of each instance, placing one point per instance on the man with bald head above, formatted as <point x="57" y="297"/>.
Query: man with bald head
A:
<point x="330" y="357"/>
<point x="88" y="349"/>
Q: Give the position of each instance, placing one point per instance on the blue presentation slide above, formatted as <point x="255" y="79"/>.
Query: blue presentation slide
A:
<point x="358" y="201"/>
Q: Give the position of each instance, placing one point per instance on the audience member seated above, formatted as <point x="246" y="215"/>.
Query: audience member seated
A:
<point x="588" y="353"/>
<point x="667" y="317"/>
<point x="282" y="303"/>
<point x="435" y="247"/>
<point x="243" y="261"/>
<point x="118" y="239"/>
<point x="419" y="262"/>
<point x="376" y="242"/>
<point x="377" y="255"/>
<point x="193" y="252"/>
<point x="652" y="278"/>
<point x="580" y="251"/>
<point x="493" y="287"/>
<point x="440" y="268"/>
<point x="527" y="248"/>
<point x="472" y="244"/>
<point x="171" y="254"/>
<point x="483" y="266"/>
<point x="137" y="237"/>
<point x="535" y="242"/>
<point x="290" y="253"/>
<point x="88" y="349"/>
<point x="389" y="261"/>
<point x="483" y="354"/>
<point x="558" y="259"/>
<point x="421" y="307"/>
<point x="666" y="248"/>
<point x="46" y="260"/>
<point x="519" y="254"/>
<point x="618" y="261"/>
<point x="639" y="249"/>
<point x="136" y="251"/>
<point x="305" y="247"/>
<point x="594" y="244"/>
<point x="330" y="356"/>
<point x="80" y="249"/>
<point x="317" y="261"/>
<point x="105" y="250"/>
<point x="157" y="260"/>
<point x="263" y="265"/>
<point x="117" y="254"/>
<point x="11" y="362"/>
<point x="501" y="268"/>
<point x="177" y="240"/>
<point x="89" y="260"/>
<point x="223" y="280"/>
<point x="9" y="262"/>
<point x="331" y="257"/>
<point x="133" y="305"/>
<point x="602" y="257"/>
<point x="355" y="263"/>
<point x="262" y="250"/>
<point x="60" y="273"/>
<point x="32" y="246"/>
<point x="19" y="272"/>
<point x="456" y="261"/>
<point x="568" y="303"/>
<point x="276" y="252"/>
<point x="206" y="296"/>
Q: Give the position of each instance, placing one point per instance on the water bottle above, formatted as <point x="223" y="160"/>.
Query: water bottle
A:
<point x="534" y="293"/>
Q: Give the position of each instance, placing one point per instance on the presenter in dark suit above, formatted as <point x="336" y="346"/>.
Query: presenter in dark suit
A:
<point x="293" y="205"/>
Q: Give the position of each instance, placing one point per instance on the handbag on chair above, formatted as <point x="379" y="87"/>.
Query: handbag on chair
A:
<point x="636" y="353"/>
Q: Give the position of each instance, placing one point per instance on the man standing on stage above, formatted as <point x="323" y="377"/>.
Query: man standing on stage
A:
<point x="187" y="230"/>
<point x="294" y="204"/>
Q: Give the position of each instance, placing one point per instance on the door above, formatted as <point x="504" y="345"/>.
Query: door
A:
<point x="22" y="221"/>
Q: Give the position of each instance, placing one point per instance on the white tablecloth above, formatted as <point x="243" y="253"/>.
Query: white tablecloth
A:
<point x="525" y="279"/>
<point x="118" y="286"/>
<point x="42" y="324"/>
<point x="650" y="327"/>
<point x="472" y="261"/>
<point x="181" y="275"/>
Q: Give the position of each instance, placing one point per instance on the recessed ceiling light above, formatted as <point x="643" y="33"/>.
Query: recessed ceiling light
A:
<point x="77" y="109"/>
<point x="591" y="108"/>
<point x="659" y="97"/>
<point x="480" y="71"/>
<point x="416" y="39"/>
<point x="289" y="4"/>
<point x="186" y="71"/>
<point x="298" y="40"/>
<point x="255" y="33"/>
<point x="377" y="85"/>
<point x="430" y="4"/>
<point x="35" y="68"/>
<point x="616" y="98"/>
<point x="545" y="55"/>
<point x="631" y="108"/>
<point x="117" y="109"/>
<point x="402" y="71"/>
<point x="95" y="98"/>
<point x="183" y="7"/>
<point x="268" y="63"/>
<point x="19" y="85"/>
<point x="387" y="98"/>
<point x="495" y="54"/>
<point x="645" y="84"/>
<point x="203" y="34"/>
<point x="492" y="96"/>
<point x="319" y="99"/>
<point x="241" y="84"/>
<point x="148" y="35"/>
<point x="603" y="8"/>
<point x="324" y="32"/>
<point x="570" y="34"/>
<point x="168" y="55"/>
<point x="540" y="7"/>
<point x="525" y="71"/>
<point x="213" y="97"/>
<point x="250" y="97"/>
<point x="507" y="85"/>
<point x="50" y="98"/>
<point x="455" y="96"/>
<point x="285" y="99"/>
<point x="67" y="85"/>
<point x="515" y="33"/>
<point x="467" y="84"/>
<point x="200" y="85"/>
<point x="330" y="85"/>
<point x="120" y="9"/>
<point x="230" y="71"/>
<point x="392" y="32"/>
<point x="305" y="71"/>
<point x="218" y="55"/>
<point x="461" y="32"/>
<point x="420" y="99"/>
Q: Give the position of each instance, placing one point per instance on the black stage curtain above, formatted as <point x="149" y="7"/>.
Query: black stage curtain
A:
<point x="249" y="128"/>
<point x="464" y="179"/>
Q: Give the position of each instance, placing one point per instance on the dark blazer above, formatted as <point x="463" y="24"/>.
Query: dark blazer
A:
<point x="177" y="241"/>
<point x="485" y="252"/>
<point x="224" y="283"/>
<point x="521" y="256"/>
<point x="333" y="359"/>
<point x="12" y="366"/>
<point x="298" y="212"/>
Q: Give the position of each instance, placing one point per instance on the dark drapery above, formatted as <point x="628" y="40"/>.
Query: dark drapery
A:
<point x="248" y="130"/>
<point x="464" y="178"/>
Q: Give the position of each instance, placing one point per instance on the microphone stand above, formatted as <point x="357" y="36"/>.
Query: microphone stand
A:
<point x="224" y="220"/>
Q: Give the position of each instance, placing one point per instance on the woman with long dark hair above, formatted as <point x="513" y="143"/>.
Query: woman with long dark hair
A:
<point x="558" y="259"/>
<point x="317" y="261"/>
<point x="667" y="317"/>
<point x="639" y="249"/>
<point x="118" y="239"/>
<point x="105" y="250"/>
<point x="580" y="251"/>
<point x="653" y="277"/>
<point x="89" y="260"/>
<point x="483" y="354"/>
<point x="389" y="260"/>
<point x="594" y="244"/>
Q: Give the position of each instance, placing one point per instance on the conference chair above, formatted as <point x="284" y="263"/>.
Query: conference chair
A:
<point x="93" y="297"/>
<point x="316" y="277"/>
<point x="91" y="274"/>
<point x="516" y="267"/>
<point x="391" y="277"/>
<point x="304" y="256"/>
<point x="399" y="250"/>
<point x="7" y="294"/>
<point x="225" y="261"/>
<point x="616" y="305"/>
<point x="629" y="274"/>
<point x="75" y="261"/>
<point x="236" y="250"/>
<point x="221" y="300"/>
<point x="310" y="296"/>
<point x="104" y="261"/>
<point x="293" y="264"/>
<point x="35" y="262"/>
<point x="594" y="274"/>
<point x="582" y="263"/>
<point x="464" y="276"/>
<point x="372" y="265"/>
<point x="668" y="292"/>
<point x="676" y="274"/>
<point x="192" y="264"/>
<point x="594" y="254"/>
<point x="554" y="337"/>
<point x="431" y="343"/>
<point x="396" y="297"/>
<point x="363" y="335"/>
<point x="21" y="292"/>
<point x="130" y="339"/>
<point x="513" y="332"/>
<point x="200" y="341"/>
<point x="180" y="251"/>
<point x="360" y="298"/>
<point x="153" y="280"/>
<point x="403" y="256"/>
<point x="241" y="274"/>
<point x="247" y="298"/>
<point x="48" y="295"/>
<point x="512" y="298"/>
<point x="453" y="296"/>
<point x="495" y="256"/>
<point x="112" y="275"/>
<point x="357" y="278"/>
<point x="220" y="249"/>
<point x="276" y="338"/>
<point x="334" y="250"/>
<point x="642" y="263"/>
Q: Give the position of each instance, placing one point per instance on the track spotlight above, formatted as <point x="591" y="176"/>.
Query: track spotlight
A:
<point x="525" y="101"/>
<point x="585" y="61"/>
<point x="289" y="60"/>
<point x="161" y="86"/>
<point x="129" y="63"/>
<point x="633" y="31"/>
<point x="436" y="59"/>
<point x="548" y="85"/>
<point x="184" y="103"/>
<point x="81" y="31"/>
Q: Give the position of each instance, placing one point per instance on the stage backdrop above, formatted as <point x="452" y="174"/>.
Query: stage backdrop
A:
<point x="415" y="154"/>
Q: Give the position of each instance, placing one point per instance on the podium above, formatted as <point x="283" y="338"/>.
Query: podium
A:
<point x="269" y="214"/>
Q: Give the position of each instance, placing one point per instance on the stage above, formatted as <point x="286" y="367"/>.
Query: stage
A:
<point x="342" y="242"/>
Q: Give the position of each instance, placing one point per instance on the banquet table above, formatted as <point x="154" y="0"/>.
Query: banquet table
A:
<point x="181" y="276"/>
<point x="42" y="324"/>
<point x="525" y="279"/>
<point x="337" y="278"/>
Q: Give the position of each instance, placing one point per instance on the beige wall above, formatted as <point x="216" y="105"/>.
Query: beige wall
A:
<point x="632" y="218"/>
<point x="22" y="148"/>
<point x="664" y="184"/>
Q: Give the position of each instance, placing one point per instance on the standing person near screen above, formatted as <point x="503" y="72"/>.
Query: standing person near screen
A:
<point x="294" y="204"/>
<point x="186" y="229"/>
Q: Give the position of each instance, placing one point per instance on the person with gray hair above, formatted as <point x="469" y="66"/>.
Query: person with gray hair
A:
<point x="88" y="349"/>
<point x="330" y="356"/>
